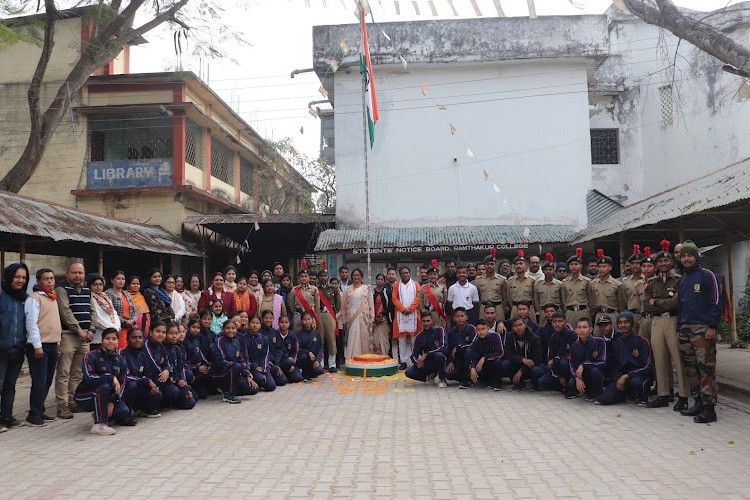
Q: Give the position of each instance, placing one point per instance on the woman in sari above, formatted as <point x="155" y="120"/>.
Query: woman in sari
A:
<point x="273" y="302"/>
<point x="178" y="303"/>
<point x="106" y="316"/>
<point x="158" y="300"/>
<point x="253" y="285"/>
<point x="124" y="306"/>
<point x="191" y="295"/>
<point x="244" y="300"/>
<point x="142" y="316"/>
<point x="381" y="304"/>
<point x="358" y="313"/>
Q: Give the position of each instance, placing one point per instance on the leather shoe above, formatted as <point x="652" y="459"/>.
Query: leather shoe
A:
<point x="707" y="416"/>
<point x="659" y="402"/>
<point x="680" y="405"/>
<point x="694" y="410"/>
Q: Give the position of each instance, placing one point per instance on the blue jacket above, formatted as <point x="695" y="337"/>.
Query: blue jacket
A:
<point x="458" y="341"/>
<point x="560" y="344"/>
<point x="310" y="341"/>
<point x="228" y="353"/>
<point x="699" y="298"/>
<point x="206" y="339"/>
<point x="630" y="355"/>
<point x="137" y="367"/>
<point x="593" y="352"/>
<point x="544" y="333"/>
<point x="194" y="357"/>
<point x="102" y="367"/>
<point x="429" y="342"/>
<point x="490" y="348"/>
<point x="257" y="351"/>
<point x="271" y="335"/>
<point x="177" y="360"/>
<point x="12" y="323"/>
<point x="286" y="347"/>
<point x="157" y="358"/>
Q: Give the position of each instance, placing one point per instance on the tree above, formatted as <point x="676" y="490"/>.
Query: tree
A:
<point x="114" y="27"/>
<point x="698" y="29"/>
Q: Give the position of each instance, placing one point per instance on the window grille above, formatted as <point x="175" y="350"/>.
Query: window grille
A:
<point x="222" y="161"/>
<point x="194" y="154"/>
<point x="605" y="146"/>
<point x="666" y="105"/>
<point x="246" y="176"/>
<point x="130" y="136"/>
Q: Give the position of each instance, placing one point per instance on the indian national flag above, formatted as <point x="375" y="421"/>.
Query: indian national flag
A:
<point x="365" y="67"/>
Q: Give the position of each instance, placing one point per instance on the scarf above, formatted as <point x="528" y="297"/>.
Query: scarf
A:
<point x="140" y="302"/>
<point x="47" y="292"/>
<point x="104" y="302"/>
<point x="407" y="323"/>
<point x="256" y="290"/>
<point x="163" y="295"/>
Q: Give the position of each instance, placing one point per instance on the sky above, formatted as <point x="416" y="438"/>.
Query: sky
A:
<point x="279" y="40"/>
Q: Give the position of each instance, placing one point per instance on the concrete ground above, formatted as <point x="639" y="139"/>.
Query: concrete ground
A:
<point x="344" y="437"/>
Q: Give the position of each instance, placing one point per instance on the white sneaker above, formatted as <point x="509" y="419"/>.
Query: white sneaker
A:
<point x="102" y="430"/>
<point x="3" y="429"/>
<point x="442" y="384"/>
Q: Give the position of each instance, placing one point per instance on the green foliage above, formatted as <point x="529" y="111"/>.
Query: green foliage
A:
<point x="31" y="32"/>
<point x="743" y="315"/>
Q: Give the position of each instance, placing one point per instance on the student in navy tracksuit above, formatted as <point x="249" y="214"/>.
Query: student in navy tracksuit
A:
<point x="206" y="337"/>
<point x="556" y="373"/>
<point x="310" y="357"/>
<point x="257" y="350"/>
<point x="141" y="394"/>
<point x="197" y="367"/>
<point x="485" y="356"/>
<point x="102" y="386"/>
<point x="287" y="349"/>
<point x="523" y="310"/>
<point x="523" y="352"/>
<point x="428" y="355"/>
<point x="158" y="363"/>
<point x="185" y="399"/>
<point x="267" y="330"/>
<point x="630" y="365"/>
<point x="229" y="367"/>
<point x="588" y="361"/>
<point x="460" y="337"/>
<point x="545" y="331"/>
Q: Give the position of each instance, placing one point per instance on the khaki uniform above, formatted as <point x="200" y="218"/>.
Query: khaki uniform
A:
<point x="310" y="293"/>
<point x="492" y="290"/>
<point x="547" y="293"/>
<point x="633" y="289"/>
<point x="609" y="299"/>
<point x="578" y="298"/>
<point x="441" y="295"/>
<point x="327" y="327"/>
<point x="664" y="338"/>
<point x="520" y="289"/>
<point x="644" y="329"/>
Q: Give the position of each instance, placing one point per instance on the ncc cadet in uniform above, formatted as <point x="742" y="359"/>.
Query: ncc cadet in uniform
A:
<point x="588" y="361"/>
<point x="629" y="364"/>
<point x="428" y="355"/>
<point x="460" y="338"/>
<point x="557" y="372"/>
<point x="561" y="271"/>
<point x="609" y="298"/>
<point x="576" y="291"/>
<point x="485" y="356"/>
<point x="330" y="305"/>
<point x="432" y="297"/>
<point x="523" y="352"/>
<point x="661" y="302"/>
<point x="632" y="286"/>
<point x="491" y="287"/>
<point x="697" y="322"/>
<point x="520" y="287"/>
<point x="648" y="268"/>
<point x="304" y="298"/>
<point x="547" y="290"/>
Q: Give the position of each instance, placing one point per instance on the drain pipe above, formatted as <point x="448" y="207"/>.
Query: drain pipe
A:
<point x="298" y="71"/>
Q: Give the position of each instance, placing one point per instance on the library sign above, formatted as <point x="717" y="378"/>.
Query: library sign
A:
<point x="437" y="249"/>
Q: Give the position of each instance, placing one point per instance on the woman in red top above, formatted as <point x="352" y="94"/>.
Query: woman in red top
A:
<point x="216" y="291"/>
<point x="244" y="300"/>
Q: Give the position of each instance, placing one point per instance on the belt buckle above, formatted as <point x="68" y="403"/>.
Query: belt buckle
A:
<point x="665" y="315"/>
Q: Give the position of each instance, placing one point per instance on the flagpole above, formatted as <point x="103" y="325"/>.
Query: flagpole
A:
<point x="365" y="131"/>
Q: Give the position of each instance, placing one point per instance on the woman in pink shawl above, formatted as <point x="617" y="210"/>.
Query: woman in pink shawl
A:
<point x="271" y="301"/>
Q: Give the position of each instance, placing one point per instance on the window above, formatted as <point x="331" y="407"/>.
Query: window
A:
<point x="605" y="146"/>
<point x="246" y="176"/>
<point x="666" y="104"/>
<point x="194" y="144"/>
<point x="222" y="162"/>
<point x="131" y="136"/>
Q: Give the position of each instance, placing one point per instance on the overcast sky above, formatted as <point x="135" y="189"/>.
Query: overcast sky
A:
<point x="280" y="34"/>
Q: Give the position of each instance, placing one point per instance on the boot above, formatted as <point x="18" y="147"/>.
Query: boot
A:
<point x="681" y="404"/>
<point x="671" y="395"/>
<point x="708" y="415"/>
<point x="694" y="410"/>
<point x="659" y="402"/>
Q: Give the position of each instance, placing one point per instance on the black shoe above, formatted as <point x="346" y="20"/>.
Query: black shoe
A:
<point x="332" y="369"/>
<point x="707" y="416"/>
<point x="671" y="396"/>
<point x="572" y="395"/>
<point x="517" y="387"/>
<point x="694" y="410"/>
<point x="47" y="418"/>
<point x="128" y="422"/>
<point x="10" y="422"/>
<point x="681" y="404"/>
<point x="659" y="402"/>
<point x="402" y="366"/>
<point x="35" y="421"/>
<point x="464" y="385"/>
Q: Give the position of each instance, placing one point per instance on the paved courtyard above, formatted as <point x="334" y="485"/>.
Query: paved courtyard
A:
<point x="345" y="437"/>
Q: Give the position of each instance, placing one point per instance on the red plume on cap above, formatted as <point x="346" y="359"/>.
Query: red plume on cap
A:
<point x="304" y="264"/>
<point x="324" y="264"/>
<point x="600" y="253"/>
<point x="636" y="249"/>
<point x="493" y="252"/>
<point x="550" y="257"/>
<point x="579" y="252"/>
<point x="647" y="252"/>
<point x="434" y="263"/>
<point x="664" y="245"/>
<point x="521" y="254"/>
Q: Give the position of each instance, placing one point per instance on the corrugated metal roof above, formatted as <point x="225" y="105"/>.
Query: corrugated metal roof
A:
<point x="723" y="187"/>
<point x="32" y="217"/>
<point x="202" y="220"/>
<point x="599" y="206"/>
<point x="347" y="239"/>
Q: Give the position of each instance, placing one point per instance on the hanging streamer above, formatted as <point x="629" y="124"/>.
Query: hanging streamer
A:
<point x="619" y="4"/>
<point x="334" y="65"/>
<point x="505" y="202"/>
<point x="344" y="46"/>
<point x="469" y="153"/>
<point x="485" y="173"/>
<point x="403" y="61"/>
<point x="312" y="111"/>
<point x="453" y="129"/>
<point x="441" y="107"/>
<point x="496" y="187"/>
<point x="526" y="232"/>
<point x="425" y="90"/>
<point x="257" y="226"/>
<point x="385" y="35"/>
<point x="323" y="91"/>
